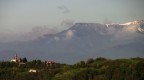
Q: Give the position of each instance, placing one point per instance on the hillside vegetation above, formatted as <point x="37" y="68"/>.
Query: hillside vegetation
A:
<point x="92" y="69"/>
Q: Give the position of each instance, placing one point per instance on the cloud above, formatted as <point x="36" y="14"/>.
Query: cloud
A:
<point x="129" y="32"/>
<point x="44" y="30"/>
<point x="7" y="35"/>
<point x="107" y="21"/>
<point x="39" y="31"/>
<point x="69" y="34"/>
<point x="67" y="23"/>
<point x="64" y="9"/>
<point x="36" y="32"/>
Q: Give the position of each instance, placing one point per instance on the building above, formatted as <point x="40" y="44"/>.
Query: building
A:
<point x="32" y="71"/>
<point x="50" y="62"/>
<point x="16" y="59"/>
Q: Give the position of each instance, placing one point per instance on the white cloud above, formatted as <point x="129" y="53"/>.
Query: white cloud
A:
<point x="127" y="33"/>
<point x="69" y="34"/>
<point x="67" y="23"/>
<point x="64" y="9"/>
<point x="39" y="31"/>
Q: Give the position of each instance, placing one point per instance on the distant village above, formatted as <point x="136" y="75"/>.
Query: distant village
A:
<point x="19" y="60"/>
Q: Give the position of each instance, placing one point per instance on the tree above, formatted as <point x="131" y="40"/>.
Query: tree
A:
<point x="100" y="59"/>
<point x="91" y="60"/>
<point x="24" y="60"/>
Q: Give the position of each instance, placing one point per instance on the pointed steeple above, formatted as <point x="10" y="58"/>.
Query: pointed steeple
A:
<point x="16" y="57"/>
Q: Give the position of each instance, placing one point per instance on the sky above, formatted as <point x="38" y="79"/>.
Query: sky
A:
<point x="20" y="16"/>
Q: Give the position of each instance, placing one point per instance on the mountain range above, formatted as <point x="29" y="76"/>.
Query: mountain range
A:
<point x="82" y="41"/>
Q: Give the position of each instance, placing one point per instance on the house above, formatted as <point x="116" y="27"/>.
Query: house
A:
<point x="32" y="71"/>
<point x="50" y="62"/>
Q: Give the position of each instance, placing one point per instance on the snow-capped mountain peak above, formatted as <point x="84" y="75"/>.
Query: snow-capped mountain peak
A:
<point x="134" y="22"/>
<point x="84" y="40"/>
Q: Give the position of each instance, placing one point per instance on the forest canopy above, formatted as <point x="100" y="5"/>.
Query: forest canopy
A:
<point x="91" y="69"/>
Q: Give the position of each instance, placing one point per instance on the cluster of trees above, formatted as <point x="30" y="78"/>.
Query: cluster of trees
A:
<point x="23" y="60"/>
<point x="92" y="69"/>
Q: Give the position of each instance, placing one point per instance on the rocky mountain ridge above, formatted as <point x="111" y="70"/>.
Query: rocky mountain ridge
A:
<point x="82" y="41"/>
